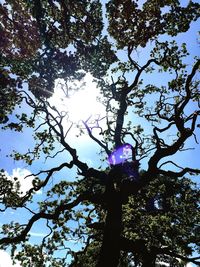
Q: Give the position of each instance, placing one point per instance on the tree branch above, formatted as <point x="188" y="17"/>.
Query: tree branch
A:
<point x="49" y="216"/>
<point x="95" y="139"/>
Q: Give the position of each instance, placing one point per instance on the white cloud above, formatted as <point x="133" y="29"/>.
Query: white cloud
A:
<point x="25" y="182"/>
<point x="5" y="260"/>
<point x="36" y="235"/>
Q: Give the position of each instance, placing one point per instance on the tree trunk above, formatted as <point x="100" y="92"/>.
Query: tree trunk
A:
<point x="149" y="260"/>
<point x="110" y="250"/>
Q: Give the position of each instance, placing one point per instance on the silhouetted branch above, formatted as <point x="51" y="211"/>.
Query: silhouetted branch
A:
<point x="95" y="139"/>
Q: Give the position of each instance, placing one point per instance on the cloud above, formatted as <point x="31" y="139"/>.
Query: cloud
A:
<point x="36" y="235"/>
<point x="5" y="260"/>
<point x="25" y="182"/>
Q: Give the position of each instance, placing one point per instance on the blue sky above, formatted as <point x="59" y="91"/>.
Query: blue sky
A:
<point x="87" y="149"/>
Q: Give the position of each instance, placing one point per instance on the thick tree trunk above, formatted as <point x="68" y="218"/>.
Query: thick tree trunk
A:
<point x="110" y="250"/>
<point x="149" y="260"/>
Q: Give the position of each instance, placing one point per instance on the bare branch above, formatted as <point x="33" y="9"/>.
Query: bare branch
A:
<point x="179" y="174"/>
<point x="179" y="110"/>
<point x="168" y="162"/>
<point x="95" y="139"/>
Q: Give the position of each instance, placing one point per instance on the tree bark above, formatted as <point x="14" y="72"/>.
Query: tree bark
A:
<point x="148" y="260"/>
<point x="110" y="250"/>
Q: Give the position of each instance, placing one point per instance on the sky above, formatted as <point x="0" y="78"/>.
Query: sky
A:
<point x="80" y="108"/>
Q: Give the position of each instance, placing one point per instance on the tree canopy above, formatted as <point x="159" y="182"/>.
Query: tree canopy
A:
<point x="140" y="207"/>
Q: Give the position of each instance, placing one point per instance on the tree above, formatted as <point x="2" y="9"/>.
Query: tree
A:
<point x="120" y="214"/>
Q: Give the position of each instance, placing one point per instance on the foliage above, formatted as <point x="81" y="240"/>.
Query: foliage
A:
<point x="111" y="218"/>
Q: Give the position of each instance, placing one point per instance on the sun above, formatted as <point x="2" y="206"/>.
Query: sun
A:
<point x="80" y="104"/>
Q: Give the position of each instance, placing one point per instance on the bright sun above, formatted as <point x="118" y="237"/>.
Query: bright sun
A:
<point x="80" y="105"/>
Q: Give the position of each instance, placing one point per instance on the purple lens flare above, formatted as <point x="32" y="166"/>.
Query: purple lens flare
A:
<point x="121" y="155"/>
